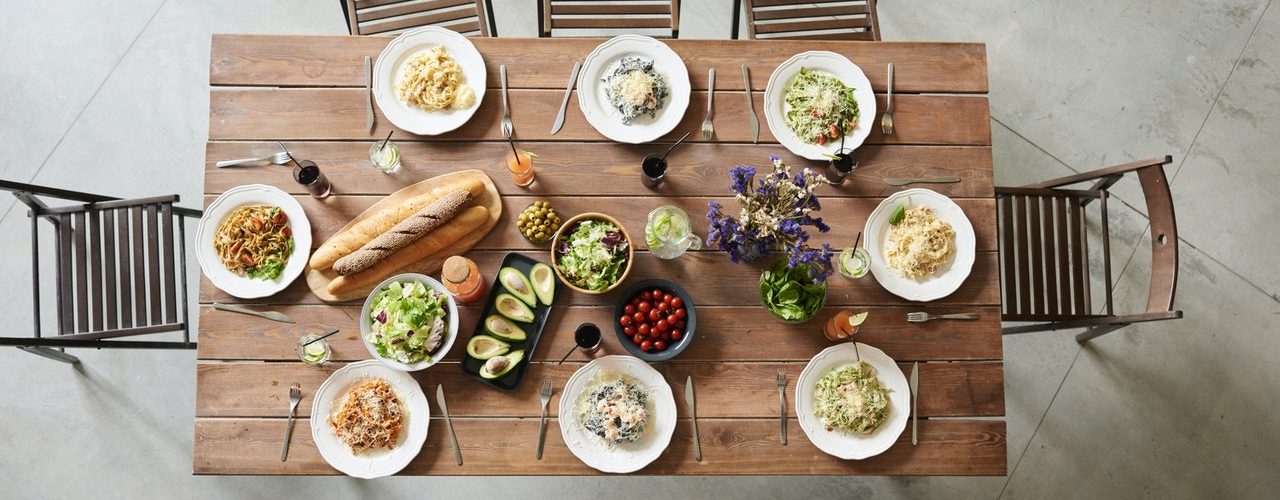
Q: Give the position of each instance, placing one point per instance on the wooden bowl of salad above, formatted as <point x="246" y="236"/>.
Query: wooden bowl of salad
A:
<point x="592" y="253"/>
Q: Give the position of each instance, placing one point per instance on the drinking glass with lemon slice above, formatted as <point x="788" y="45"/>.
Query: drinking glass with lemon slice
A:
<point x="313" y="353"/>
<point x="843" y="325"/>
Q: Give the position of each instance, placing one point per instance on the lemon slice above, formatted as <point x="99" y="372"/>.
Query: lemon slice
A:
<point x="857" y="319"/>
<point x="314" y="351"/>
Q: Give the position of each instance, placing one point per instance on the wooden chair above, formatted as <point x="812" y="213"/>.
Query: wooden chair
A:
<point x="1045" y="255"/>
<point x="386" y="17"/>
<point x="809" y="19"/>
<point x="120" y="271"/>
<point x="613" y="15"/>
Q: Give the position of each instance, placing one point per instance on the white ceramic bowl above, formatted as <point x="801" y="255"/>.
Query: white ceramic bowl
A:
<point x="386" y="72"/>
<point x="451" y="332"/>
<point x="374" y="463"/>
<point x="595" y="104"/>
<point x="775" y="107"/>
<point x="239" y="196"/>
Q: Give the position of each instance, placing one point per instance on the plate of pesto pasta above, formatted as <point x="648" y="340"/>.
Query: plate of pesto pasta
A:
<point x="819" y="102"/>
<point x="852" y="405"/>
<point x="617" y="414"/>
<point x="253" y="241"/>
<point x="633" y="89"/>
<point x="429" y="80"/>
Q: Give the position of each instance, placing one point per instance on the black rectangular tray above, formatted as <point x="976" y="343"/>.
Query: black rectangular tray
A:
<point x="533" y="331"/>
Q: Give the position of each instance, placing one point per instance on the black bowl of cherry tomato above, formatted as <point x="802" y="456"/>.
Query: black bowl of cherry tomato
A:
<point x="655" y="320"/>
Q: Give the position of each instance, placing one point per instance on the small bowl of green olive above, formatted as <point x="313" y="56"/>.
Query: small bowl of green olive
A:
<point x="538" y="222"/>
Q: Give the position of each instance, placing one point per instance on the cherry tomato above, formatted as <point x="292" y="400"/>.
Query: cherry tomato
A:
<point x="660" y="345"/>
<point x="672" y="319"/>
<point x="625" y="320"/>
<point x="654" y="314"/>
<point x="644" y="307"/>
<point x="645" y="295"/>
<point x="680" y="325"/>
<point x="630" y="331"/>
<point x="666" y="297"/>
<point x="644" y="329"/>
<point x="662" y="325"/>
<point x="675" y="335"/>
<point x="656" y="294"/>
<point x="638" y="317"/>
<point x="630" y="309"/>
<point x="680" y="312"/>
<point x="637" y="339"/>
<point x="287" y="232"/>
<point x="646" y="346"/>
<point x="677" y="302"/>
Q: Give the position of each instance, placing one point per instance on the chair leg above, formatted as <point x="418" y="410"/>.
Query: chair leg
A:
<point x="1097" y="331"/>
<point x="53" y="354"/>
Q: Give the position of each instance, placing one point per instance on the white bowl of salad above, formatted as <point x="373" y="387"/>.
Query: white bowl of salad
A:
<point x="592" y="253"/>
<point x="409" y="322"/>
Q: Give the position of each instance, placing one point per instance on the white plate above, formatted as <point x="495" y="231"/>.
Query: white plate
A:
<point x="252" y="194"/>
<point x="949" y="276"/>
<point x="842" y="444"/>
<point x="450" y="310"/>
<point x="775" y="107"/>
<point x="595" y="105"/>
<point x="386" y="73"/>
<point x="375" y="463"/>
<point x="628" y="457"/>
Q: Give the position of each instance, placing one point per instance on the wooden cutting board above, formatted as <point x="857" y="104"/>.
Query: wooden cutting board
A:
<point x="319" y="280"/>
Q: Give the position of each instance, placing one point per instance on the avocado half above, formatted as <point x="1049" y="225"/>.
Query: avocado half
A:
<point x="507" y="362"/>
<point x="544" y="282"/>
<point x="504" y="329"/>
<point x="516" y="283"/>
<point x="483" y="347"/>
<point x="512" y="308"/>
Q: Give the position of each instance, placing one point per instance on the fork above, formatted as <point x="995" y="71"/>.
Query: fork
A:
<point x="782" y="402"/>
<point x="276" y="159"/>
<point x="921" y="317"/>
<point x="508" y="129"/>
<point x="707" y="129"/>
<point x="295" y="395"/>
<point x="545" y="394"/>
<point x="886" y="122"/>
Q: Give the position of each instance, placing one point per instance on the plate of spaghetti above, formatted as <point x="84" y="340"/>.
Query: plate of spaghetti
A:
<point x="921" y="244"/>
<point x="368" y="420"/>
<point x="253" y="241"/>
<point x="429" y="80"/>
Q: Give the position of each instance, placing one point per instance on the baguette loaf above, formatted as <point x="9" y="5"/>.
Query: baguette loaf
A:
<point x="407" y="231"/>
<point x="469" y="220"/>
<point x="366" y="230"/>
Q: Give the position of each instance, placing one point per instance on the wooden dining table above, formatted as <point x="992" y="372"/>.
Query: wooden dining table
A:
<point x="308" y="92"/>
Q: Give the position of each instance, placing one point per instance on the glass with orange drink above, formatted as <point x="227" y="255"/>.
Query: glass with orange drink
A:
<point x="520" y="164"/>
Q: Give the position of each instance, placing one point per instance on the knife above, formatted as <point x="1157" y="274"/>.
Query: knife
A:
<point x="751" y="106"/>
<point x="693" y="410"/>
<point x="368" y="91"/>
<point x="950" y="179"/>
<point x="573" y="78"/>
<point x="271" y="315"/>
<point x="915" y="384"/>
<point x="457" y="453"/>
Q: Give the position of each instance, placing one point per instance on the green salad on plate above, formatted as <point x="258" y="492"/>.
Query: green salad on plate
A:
<point x="407" y="321"/>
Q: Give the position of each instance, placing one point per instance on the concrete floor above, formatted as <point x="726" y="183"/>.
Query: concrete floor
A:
<point x="113" y="98"/>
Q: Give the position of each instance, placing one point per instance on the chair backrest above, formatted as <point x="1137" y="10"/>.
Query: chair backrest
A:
<point x="611" y="15"/>
<point x="813" y="19"/>
<point x="370" y="17"/>
<point x="120" y="267"/>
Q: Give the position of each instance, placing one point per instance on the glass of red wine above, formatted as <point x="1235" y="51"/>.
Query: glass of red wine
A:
<point x="308" y="174"/>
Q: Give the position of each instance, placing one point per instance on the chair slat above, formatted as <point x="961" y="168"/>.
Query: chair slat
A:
<point x="610" y="22"/>
<point x="1035" y="238"/>
<point x="1079" y="272"/>
<point x="1007" y="243"/>
<point x="170" y="282"/>
<point x="404" y="7"/>
<point x="1050" y="231"/>
<point x="1064" y="261"/>
<point x="836" y="10"/>
<point x="558" y="8"/>
<point x="154" y="300"/>
<point x="139" y="271"/>
<point x="124" y="287"/>
<point x="1024" y="257"/>
<point x="66" y="281"/>
<point x="1083" y="273"/>
<point x="815" y="25"/>
<point x="96" y="313"/>
<point x="109" y="267"/>
<point x="79" y="231"/>
<point x="865" y="36"/>
<point x="445" y="20"/>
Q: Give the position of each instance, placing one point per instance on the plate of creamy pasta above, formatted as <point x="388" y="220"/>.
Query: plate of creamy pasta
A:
<point x="368" y="420"/>
<point x="633" y="89"/>
<point x="617" y="414"/>
<point x="921" y="244"/>
<point x="429" y="81"/>
<point x="253" y="241"/>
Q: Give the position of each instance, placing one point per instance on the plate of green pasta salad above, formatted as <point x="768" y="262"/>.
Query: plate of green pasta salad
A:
<point x="818" y="103"/>
<point x="852" y="405"/>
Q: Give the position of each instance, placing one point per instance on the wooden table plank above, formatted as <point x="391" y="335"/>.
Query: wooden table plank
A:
<point x="569" y="169"/>
<point x="725" y="334"/>
<point x="734" y="390"/>
<point x="708" y="276"/>
<point x="335" y="114"/>
<point x="504" y="447"/>
<point x="338" y="61"/>
<point x="846" y="216"/>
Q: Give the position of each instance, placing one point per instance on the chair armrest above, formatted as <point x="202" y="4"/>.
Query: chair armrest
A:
<point x="1104" y="172"/>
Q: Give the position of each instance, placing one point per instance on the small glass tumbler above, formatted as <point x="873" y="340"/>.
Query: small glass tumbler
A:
<point x="587" y="336"/>
<point x="308" y="174"/>
<point x="316" y="352"/>
<point x="653" y="170"/>
<point x="385" y="156"/>
<point x="839" y="167"/>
